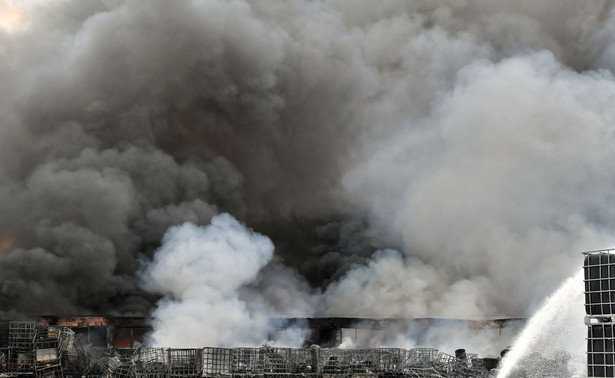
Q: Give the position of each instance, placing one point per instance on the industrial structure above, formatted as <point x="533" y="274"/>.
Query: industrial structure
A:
<point x="326" y="332"/>
<point x="599" y="280"/>
<point x="98" y="347"/>
<point x="109" y="347"/>
<point x="42" y="350"/>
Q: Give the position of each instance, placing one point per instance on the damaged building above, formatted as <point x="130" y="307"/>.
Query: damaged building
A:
<point x="43" y="350"/>
<point x="113" y="347"/>
<point x="330" y="332"/>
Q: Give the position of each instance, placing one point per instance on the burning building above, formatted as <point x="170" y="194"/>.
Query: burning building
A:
<point x="214" y="164"/>
<point x="131" y="332"/>
<point x="74" y="347"/>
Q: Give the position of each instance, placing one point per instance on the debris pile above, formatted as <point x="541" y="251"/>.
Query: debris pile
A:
<point x="30" y="349"/>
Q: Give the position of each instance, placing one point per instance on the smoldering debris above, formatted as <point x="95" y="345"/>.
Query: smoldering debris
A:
<point x="46" y="350"/>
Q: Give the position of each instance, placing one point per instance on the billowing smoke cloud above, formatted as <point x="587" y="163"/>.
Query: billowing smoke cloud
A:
<point x="200" y="271"/>
<point x="391" y="286"/>
<point x="405" y="159"/>
<point x="504" y="179"/>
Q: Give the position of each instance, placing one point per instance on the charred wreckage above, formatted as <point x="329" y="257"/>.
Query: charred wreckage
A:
<point x="41" y="349"/>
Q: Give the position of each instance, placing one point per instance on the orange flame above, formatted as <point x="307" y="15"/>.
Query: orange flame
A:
<point x="11" y="16"/>
<point x="6" y="242"/>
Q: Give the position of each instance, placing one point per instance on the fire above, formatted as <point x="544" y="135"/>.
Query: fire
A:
<point x="6" y="242"/>
<point x="11" y="16"/>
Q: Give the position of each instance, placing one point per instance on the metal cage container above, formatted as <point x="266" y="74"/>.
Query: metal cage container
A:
<point x="599" y="279"/>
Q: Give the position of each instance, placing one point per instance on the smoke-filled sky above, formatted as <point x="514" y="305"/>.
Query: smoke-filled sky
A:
<point x="388" y="159"/>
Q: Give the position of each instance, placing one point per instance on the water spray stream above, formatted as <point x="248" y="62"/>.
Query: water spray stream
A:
<point x="558" y="324"/>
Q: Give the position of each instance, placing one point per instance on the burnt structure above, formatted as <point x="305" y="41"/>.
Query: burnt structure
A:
<point x="130" y="332"/>
<point x="95" y="347"/>
<point x="109" y="331"/>
<point x="365" y="332"/>
<point x="44" y="350"/>
<point x="599" y="281"/>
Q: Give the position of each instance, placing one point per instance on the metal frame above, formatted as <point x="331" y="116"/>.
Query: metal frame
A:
<point x="599" y="292"/>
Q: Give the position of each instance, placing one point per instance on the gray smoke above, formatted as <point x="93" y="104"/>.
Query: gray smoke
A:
<point x="405" y="158"/>
<point x="201" y="271"/>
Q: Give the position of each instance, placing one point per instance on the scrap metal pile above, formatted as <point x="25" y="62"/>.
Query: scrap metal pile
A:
<point x="29" y="349"/>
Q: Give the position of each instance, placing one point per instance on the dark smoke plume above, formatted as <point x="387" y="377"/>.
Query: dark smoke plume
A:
<point x="405" y="158"/>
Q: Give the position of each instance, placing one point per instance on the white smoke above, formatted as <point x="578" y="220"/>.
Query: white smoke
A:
<point x="421" y="158"/>
<point x="200" y="271"/>
<point x="391" y="286"/>
<point x="505" y="176"/>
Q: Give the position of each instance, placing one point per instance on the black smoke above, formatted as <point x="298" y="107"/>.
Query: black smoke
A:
<point x="424" y="152"/>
